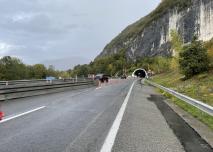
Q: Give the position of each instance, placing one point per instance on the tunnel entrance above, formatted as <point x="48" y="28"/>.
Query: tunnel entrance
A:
<point x="141" y="73"/>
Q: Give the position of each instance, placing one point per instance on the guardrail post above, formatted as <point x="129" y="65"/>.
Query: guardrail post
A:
<point x="6" y="83"/>
<point x="76" y="78"/>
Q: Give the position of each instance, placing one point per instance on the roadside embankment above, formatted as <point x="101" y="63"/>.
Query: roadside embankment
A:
<point x="199" y="87"/>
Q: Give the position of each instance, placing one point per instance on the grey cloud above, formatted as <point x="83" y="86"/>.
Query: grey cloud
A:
<point x="41" y="30"/>
<point x="38" y="24"/>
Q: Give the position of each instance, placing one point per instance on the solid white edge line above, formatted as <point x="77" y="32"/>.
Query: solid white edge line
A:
<point x="110" y="139"/>
<point x="21" y="114"/>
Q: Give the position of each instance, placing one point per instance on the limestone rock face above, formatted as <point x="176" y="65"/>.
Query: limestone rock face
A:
<point x="155" y="39"/>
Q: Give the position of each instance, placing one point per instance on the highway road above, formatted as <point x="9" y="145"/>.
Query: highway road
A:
<point x="123" y="116"/>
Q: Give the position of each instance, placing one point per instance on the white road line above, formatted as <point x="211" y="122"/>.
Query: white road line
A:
<point x="110" y="139"/>
<point x="21" y="114"/>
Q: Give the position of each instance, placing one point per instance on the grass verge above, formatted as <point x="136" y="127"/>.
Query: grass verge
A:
<point x="198" y="114"/>
<point x="199" y="87"/>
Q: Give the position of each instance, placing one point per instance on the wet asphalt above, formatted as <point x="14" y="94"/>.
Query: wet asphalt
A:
<point x="79" y="121"/>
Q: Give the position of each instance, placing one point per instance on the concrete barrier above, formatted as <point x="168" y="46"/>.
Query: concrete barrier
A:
<point x="14" y="92"/>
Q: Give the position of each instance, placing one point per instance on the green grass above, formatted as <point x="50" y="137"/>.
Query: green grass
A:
<point x="199" y="87"/>
<point x="198" y="114"/>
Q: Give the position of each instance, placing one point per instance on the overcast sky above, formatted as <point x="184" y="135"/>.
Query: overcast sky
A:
<point x="38" y="31"/>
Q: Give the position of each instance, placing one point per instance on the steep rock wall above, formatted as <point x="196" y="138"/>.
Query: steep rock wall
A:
<point x="155" y="39"/>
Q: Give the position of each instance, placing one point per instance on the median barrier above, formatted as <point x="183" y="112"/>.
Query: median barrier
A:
<point x="27" y="90"/>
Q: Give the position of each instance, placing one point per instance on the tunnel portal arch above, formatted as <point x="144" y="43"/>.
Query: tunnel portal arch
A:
<point x="141" y="73"/>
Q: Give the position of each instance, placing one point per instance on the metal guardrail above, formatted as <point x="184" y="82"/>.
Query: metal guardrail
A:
<point x="198" y="104"/>
<point x="23" y="82"/>
<point x="32" y="89"/>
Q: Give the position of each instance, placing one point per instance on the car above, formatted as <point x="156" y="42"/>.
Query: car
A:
<point x="102" y="77"/>
<point x="123" y="77"/>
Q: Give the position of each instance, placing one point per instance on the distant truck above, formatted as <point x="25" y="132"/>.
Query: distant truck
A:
<point x="50" y="78"/>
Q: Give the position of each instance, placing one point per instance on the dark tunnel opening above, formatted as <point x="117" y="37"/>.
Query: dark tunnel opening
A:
<point x="140" y="73"/>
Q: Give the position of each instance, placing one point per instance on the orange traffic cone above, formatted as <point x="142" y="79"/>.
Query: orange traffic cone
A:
<point x="1" y="115"/>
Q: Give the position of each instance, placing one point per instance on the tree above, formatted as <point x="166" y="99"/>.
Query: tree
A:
<point x="80" y="70"/>
<point x="12" y="68"/>
<point x="209" y="46"/>
<point x="40" y="71"/>
<point x="51" y="71"/>
<point x="2" y="71"/>
<point x="177" y="42"/>
<point x="64" y="75"/>
<point x="29" y="72"/>
<point x="177" y="46"/>
<point x="194" y="59"/>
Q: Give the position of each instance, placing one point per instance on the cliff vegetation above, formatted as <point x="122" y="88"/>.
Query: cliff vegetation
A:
<point x="133" y="30"/>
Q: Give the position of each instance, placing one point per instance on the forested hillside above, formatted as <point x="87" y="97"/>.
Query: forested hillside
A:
<point x="12" y="68"/>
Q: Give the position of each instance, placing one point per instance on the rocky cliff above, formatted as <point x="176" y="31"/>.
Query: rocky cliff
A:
<point x="150" y="36"/>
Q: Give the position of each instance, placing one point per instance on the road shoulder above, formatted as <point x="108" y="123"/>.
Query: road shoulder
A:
<point x="143" y="127"/>
<point x="205" y="132"/>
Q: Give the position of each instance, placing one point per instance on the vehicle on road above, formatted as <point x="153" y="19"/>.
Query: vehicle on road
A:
<point x="102" y="78"/>
<point x="123" y="77"/>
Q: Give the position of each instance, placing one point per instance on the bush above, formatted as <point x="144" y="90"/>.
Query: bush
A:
<point x="209" y="46"/>
<point x="157" y="64"/>
<point x="193" y="59"/>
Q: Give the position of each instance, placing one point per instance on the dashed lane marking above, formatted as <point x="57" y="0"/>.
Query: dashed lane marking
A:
<point x="21" y="114"/>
